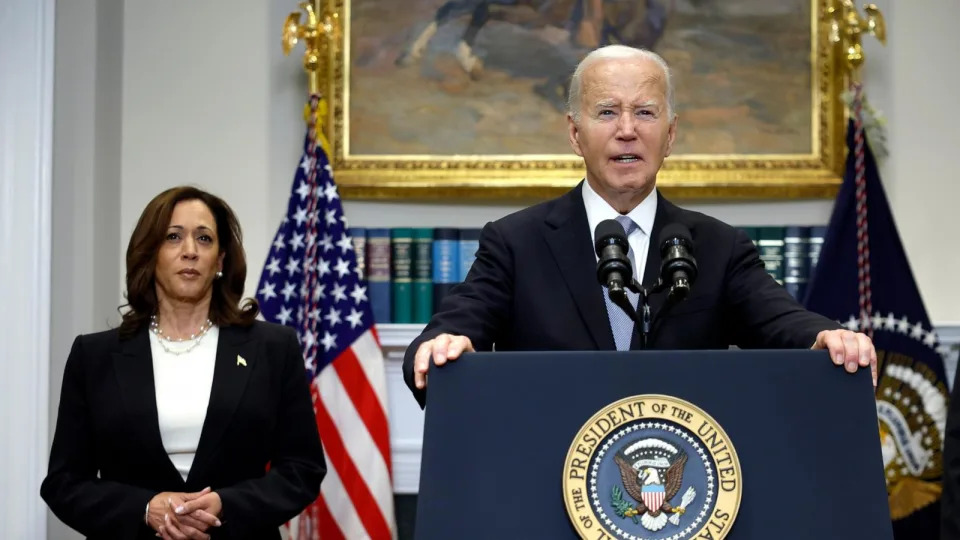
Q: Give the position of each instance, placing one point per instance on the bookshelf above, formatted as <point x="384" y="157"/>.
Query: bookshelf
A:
<point x="410" y="269"/>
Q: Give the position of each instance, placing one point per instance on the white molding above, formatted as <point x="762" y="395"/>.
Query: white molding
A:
<point x="406" y="465"/>
<point x="398" y="335"/>
<point x="949" y="334"/>
<point x="406" y="419"/>
<point x="26" y="138"/>
<point x="404" y="414"/>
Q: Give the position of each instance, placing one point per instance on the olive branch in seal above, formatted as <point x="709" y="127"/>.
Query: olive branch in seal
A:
<point x="622" y="507"/>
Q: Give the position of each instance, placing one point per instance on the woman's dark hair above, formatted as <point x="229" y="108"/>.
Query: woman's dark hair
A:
<point x="151" y="229"/>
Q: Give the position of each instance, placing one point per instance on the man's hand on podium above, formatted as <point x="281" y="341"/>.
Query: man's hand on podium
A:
<point x="441" y="348"/>
<point x="849" y="349"/>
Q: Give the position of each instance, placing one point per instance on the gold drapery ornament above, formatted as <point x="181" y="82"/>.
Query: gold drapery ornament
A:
<point x="847" y="29"/>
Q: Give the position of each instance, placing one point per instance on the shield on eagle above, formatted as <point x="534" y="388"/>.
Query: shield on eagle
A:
<point x="653" y="496"/>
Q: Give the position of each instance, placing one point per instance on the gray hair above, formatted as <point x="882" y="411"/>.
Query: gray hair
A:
<point x="608" y="53"/>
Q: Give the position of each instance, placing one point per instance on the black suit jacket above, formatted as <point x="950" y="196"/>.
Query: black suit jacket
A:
<point x="108" y="460"/>
<point x="533" y="286"/>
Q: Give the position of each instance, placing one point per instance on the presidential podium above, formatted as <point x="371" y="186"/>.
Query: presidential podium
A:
<point x="525" y="445"/>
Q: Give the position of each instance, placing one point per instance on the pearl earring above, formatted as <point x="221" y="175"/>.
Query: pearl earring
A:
<point x="219" y="274"/>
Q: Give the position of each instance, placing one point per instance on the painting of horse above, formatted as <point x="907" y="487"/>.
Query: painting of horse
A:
<point x="490" y="77"/>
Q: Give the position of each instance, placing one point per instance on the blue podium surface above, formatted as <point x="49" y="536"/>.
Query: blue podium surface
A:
<point x="500" y="429"/>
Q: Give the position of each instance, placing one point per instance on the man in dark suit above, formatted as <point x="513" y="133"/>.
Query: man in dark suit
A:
<point x="533" y="285"/>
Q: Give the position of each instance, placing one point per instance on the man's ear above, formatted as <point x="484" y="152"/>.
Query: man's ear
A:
<point x="671" y="135"/>
<point x="573" y="131"/>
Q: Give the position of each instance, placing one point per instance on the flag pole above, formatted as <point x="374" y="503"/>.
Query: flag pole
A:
<point x="320" y="33"/>
<point x="846" y="33"/>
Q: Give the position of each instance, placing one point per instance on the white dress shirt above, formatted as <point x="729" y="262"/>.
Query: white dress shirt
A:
<point x="183" y="384"/>
<point x="642" y="214"/>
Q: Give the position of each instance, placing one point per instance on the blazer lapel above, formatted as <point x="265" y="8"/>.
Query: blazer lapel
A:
<point x="133" y="366"/>
<point x="231" y="372"/>
<point x="568" y="235"/>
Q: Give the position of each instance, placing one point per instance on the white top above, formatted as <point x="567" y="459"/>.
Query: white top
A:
<point x="183" y="384"/>
<point x="642" y="214"/>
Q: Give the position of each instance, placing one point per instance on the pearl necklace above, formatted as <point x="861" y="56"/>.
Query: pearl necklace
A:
<point x="193" y="340"/>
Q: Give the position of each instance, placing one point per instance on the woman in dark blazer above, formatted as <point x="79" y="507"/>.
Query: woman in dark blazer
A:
<point x="192" y="419"/>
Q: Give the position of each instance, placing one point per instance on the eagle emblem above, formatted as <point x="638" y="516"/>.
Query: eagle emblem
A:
<point x="651" y="470"/>
<point x="642" y="467"/>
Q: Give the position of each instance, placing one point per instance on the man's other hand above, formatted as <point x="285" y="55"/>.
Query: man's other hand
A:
<point x="443" y="348"/>
<point x="849" y="349"/>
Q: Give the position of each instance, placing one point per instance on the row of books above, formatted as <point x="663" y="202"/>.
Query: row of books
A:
<point x="410" y="269"/>
<point x="789" y="253"/>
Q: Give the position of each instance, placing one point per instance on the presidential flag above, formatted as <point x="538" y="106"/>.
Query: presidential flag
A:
<point x="863" y="280"/>
<point x="311" y="281"/>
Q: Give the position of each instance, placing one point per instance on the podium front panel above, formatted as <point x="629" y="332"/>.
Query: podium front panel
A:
<point x="498" y="427"/>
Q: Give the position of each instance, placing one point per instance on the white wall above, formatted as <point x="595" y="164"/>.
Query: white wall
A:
<point x="26" y="147"/>
<point x="922" y="78"/>
<point x="86" y="183"/>
<point x="155" y="94"/>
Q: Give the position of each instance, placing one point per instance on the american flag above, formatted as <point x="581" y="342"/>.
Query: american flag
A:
<point x="311" y="282"/>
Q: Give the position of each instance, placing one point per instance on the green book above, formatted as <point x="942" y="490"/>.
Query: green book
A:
<point x="771" y="250"/>
<point x="401" y="274"/>
<point x="422" y="275"/>
<point x="796" y="260"/>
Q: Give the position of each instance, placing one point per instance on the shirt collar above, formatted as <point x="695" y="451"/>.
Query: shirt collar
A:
<point x="599" y="210"/>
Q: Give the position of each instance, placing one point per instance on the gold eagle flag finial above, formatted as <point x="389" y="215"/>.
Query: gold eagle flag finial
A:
<point x="847" y="29"/>
<point x="319" y="34"/>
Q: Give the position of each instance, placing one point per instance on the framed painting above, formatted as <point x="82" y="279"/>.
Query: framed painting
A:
<point x="467" y="98"/>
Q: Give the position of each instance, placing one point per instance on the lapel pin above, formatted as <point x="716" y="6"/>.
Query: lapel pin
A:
<point x="241" y="361"/>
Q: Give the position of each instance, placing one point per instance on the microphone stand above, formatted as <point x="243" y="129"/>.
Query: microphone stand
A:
<point x="641" y="317"/>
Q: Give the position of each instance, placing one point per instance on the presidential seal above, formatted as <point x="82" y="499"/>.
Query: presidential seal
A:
<point x="652" y="467"/>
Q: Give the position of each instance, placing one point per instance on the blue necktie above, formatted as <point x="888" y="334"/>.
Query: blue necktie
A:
<point x="620" y="322"/>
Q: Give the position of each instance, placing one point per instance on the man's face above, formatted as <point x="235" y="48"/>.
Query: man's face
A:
<point x="624" y="132"/>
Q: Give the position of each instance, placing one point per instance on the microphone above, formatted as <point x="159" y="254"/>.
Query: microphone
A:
<point x="613" y="269"/>
<point x="678" y="268"/>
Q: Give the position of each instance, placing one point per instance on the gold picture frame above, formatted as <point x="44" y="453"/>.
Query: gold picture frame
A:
<point x="815" y="173"/>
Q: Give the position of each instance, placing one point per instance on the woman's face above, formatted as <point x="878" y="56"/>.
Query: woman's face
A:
<point x="189" y="255"/>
